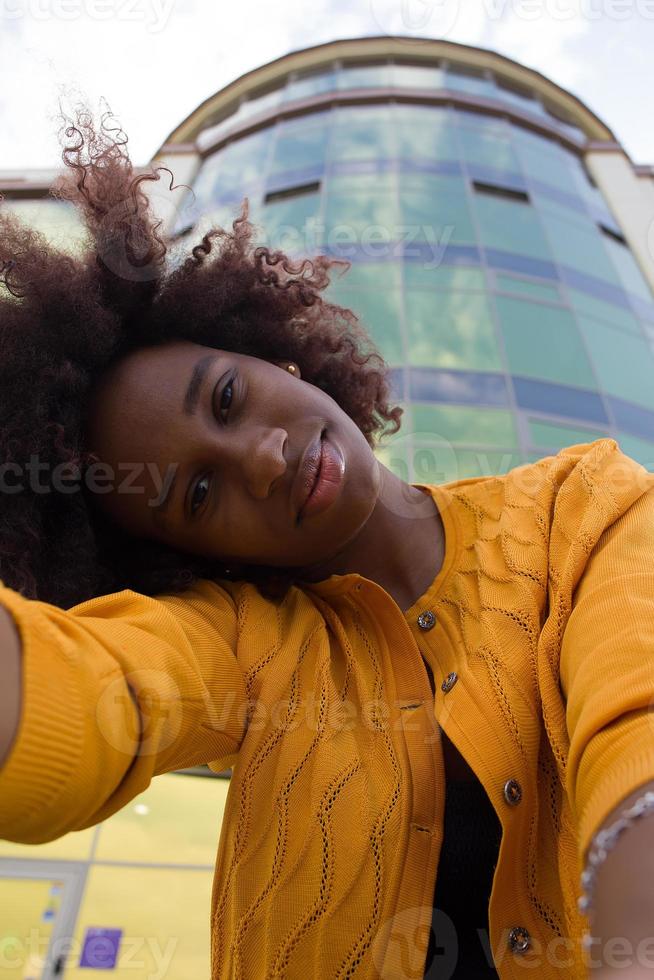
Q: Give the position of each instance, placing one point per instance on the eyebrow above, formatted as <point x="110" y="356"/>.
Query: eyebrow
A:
<point x="200" y="372"/>
<point x="189" y="406"/>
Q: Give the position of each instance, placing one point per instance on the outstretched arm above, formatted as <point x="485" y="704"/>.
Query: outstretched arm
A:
<point x="607" y="675"/>
<point x="112" y="692"/>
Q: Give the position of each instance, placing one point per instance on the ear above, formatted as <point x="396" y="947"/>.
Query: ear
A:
<point x="291" y="366"/>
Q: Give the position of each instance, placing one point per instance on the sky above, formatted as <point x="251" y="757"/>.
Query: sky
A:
<point x="155" y="60"/>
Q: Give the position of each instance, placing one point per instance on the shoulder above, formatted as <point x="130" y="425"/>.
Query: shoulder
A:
<point x="584" y="479"/>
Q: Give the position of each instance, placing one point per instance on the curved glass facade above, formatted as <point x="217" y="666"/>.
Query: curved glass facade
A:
<point x="428" y="76"/>
<point x="484" y="262"/>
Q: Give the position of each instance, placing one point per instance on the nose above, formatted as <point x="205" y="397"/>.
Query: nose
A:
<point x="263" y="461"/>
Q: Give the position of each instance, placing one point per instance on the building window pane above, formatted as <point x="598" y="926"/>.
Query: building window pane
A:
<point x="301" y="145"/>
<point x="590" y="305"/>
<point x="559" y="436"/>
<point x="543" y="342"/>
<point x="360" y="184"/>
<point x="289" y="224"/>
<point x="420" y="276"/>
<point x="436" y="209"/>
<point x="497" y="258"/>
<point x="526" y="287"/>
<point x="379" y="312"/>
<point x="624" y="362"/>
<point x="540" y="396"/>
<point x="481" y="121"/>
<point x="488" y="149"/>
<point x="628" y="271"/>
<point x="368" y="275"/>
<point x="578" y="246"/>
<point x="594" y="198"/>
<point x="363" y="133"/>
<point x="461" y="80"/>
<point x="541" y="159"/>
<point x="607" y="291"/>
<point x="451" y="330"/>
<point x="260" y="103"/>
<point x="242" y="165"/>
<point x="458" y="387"/>
<point x="362" y="211"/>
<point x="512" y="226"/>
<point x="547" y="198"/>
<point x="425" y="133"/>
<point x="306" y="86"/>
<point x="418" y="76"/>
<point x="464" y="425"/>
<point x="204" y="183"/>
<point x="365" y="76"/>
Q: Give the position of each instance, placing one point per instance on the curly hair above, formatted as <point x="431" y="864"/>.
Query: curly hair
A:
<point x="64" y="319"/>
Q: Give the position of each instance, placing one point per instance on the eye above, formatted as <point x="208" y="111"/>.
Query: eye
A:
<point x="199" y="494"/>
<point x="226" y="397"/>
<point x="198" y="499"/>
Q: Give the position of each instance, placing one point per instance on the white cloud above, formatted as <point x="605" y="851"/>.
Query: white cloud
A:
<point x="549" y="44"/>
<point x="154" y="71"/>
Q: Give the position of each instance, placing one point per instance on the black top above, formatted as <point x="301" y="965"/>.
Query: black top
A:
<point x="467" y="862"/>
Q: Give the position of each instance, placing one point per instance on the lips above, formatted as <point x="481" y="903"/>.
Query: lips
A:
<point x="324" y="482"/>
<point x="307" y="474"/>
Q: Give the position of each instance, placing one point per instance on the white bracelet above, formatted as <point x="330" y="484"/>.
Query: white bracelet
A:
<point x="605" y="841"/>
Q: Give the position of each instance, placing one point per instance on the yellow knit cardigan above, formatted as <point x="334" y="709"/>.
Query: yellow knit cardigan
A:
<point x="327" y="860"/>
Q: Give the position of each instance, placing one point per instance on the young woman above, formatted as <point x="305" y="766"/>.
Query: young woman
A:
<point x="423" y="691"/>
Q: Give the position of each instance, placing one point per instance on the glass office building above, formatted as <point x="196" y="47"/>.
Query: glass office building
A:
<point x="496" y="232"/>
<point x="490" y="268"/>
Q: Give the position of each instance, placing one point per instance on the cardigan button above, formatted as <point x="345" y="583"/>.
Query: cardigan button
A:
<point x="426" y="620"/>
<point x="512" y="792"/>
<point x="519" y="940"/>
<point x="449" y="682"/>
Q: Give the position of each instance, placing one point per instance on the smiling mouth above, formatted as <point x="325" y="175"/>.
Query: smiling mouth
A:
<point x="308" y="474"/>
<point x="328" y="480"/>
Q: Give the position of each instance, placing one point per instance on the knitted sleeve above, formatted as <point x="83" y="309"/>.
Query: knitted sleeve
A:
<point x="115" y="691"/>
<point x="607" y="669"/>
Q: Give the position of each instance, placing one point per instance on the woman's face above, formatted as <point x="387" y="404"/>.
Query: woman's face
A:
<point x="232" y="431"/>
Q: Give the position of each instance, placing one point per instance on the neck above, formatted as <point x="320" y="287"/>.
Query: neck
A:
<point x="401" y="546"/>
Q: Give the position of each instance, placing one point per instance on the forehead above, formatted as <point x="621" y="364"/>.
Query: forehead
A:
<point x="145" y="390"/>
<point x="173" y="360"/>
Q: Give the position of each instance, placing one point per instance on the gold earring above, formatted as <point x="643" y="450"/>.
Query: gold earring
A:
<point x="291" y="368"/>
